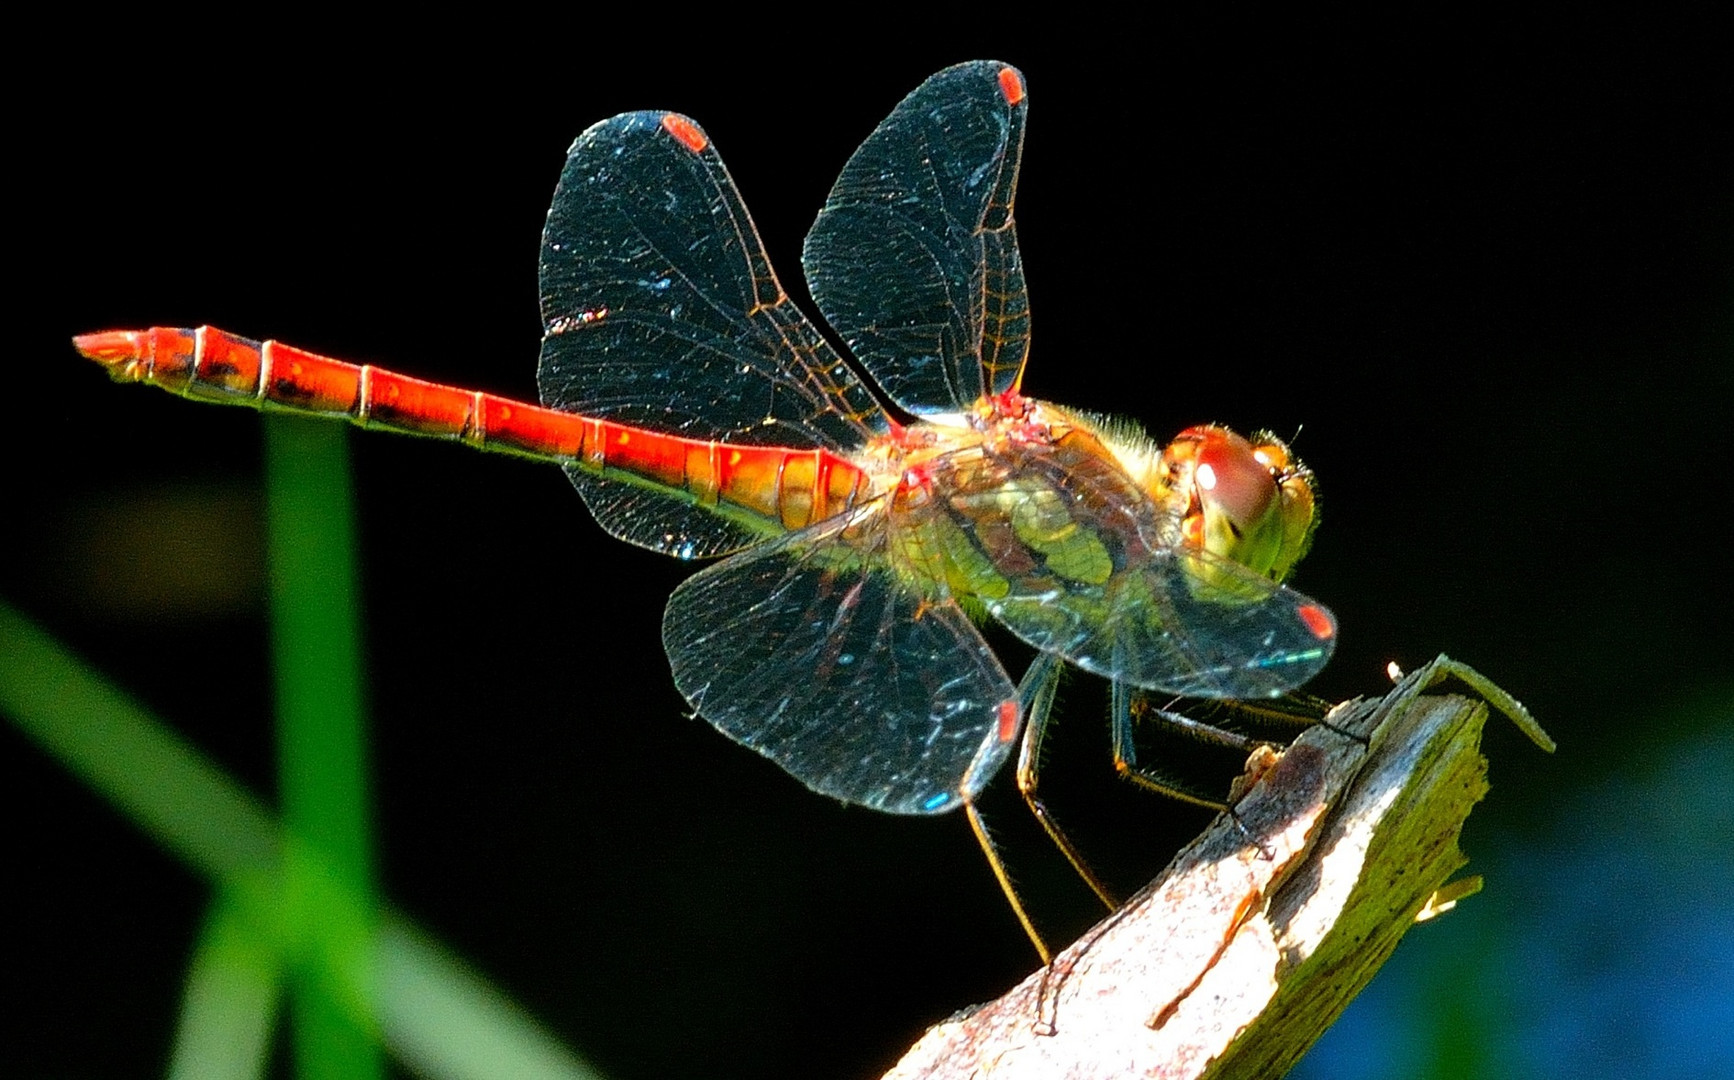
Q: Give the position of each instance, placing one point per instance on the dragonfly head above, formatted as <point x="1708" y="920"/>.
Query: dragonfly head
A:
<point x="1250" y="501"/>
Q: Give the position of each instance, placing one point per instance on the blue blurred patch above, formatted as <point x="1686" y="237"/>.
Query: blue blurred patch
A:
<point x="1604" y="949"/>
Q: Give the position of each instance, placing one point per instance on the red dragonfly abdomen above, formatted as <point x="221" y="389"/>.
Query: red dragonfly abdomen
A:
<point x="787" y="487"/>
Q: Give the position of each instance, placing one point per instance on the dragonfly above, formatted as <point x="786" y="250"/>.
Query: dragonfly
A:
<point x="871" y="511"/>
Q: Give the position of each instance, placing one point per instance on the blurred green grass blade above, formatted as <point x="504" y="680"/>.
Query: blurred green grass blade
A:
<point x="321" y="746"/>
<point x="429" y="1008"/>
<point x="316" y="643"/>
<point x="229" y="1004"/>
<point x="153" y="775"/>
<point x="442" y="1020"/>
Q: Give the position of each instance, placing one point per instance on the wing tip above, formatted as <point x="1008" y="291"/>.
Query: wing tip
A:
<point x="685" y="132"/>
<point x="1318" y="620"/>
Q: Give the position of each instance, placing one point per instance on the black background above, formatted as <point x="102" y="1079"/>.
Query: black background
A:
<point x="1484" y="271"/>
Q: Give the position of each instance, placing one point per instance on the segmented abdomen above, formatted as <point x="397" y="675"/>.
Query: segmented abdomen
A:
<point x="791" y="488"/>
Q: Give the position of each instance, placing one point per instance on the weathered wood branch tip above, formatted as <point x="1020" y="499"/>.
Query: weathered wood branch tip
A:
<point x="1239" y="955"/>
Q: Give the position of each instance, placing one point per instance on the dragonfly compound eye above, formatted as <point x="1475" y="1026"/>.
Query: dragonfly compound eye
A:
<point x="1232" y="498"/>
<point x="1299" y="492"/>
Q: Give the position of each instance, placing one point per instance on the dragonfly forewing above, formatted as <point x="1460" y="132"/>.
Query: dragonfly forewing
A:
<point x="914" y="257"/>
<point x="1185" y="623"/>
<point x="660" y="309"/>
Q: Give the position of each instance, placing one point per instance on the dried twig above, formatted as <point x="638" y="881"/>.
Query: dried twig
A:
<point x="1239" y="955"/>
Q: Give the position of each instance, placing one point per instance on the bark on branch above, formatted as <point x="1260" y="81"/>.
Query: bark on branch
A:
<point x="1239" y="955"/>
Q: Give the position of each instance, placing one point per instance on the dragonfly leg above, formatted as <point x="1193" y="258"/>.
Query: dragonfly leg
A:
<point x="1036" y="697"/>
<point x="1126" y="751"/>
<point x="997" y="864"/>
<point x="1294" y="709"/>
<point x="1200" y="730"/>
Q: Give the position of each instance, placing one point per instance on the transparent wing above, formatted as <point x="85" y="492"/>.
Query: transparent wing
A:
<point x="914" y="258"/>
<point x="1180" y="622"/>
<point x="802" y="651"/>
<point x="660" y="309"/>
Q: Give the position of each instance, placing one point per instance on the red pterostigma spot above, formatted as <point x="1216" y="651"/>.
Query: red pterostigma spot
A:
<point x="1318" y="620"/>
<point x="685" y="131"/>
